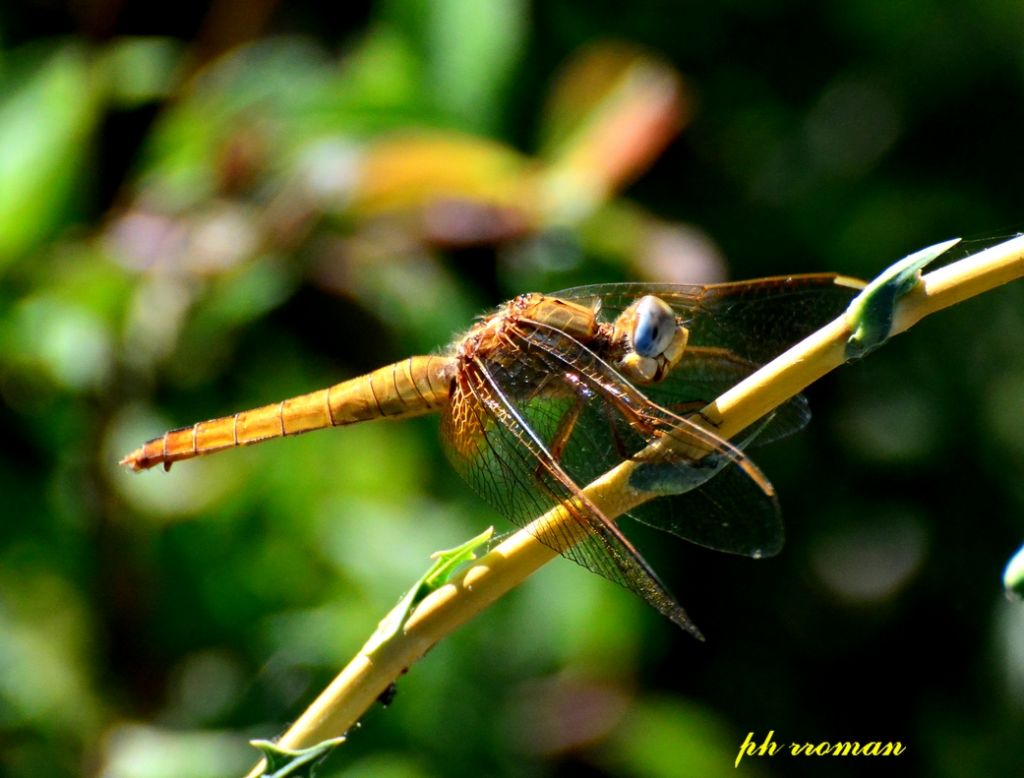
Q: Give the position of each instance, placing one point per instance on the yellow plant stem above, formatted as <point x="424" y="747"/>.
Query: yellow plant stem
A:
<point x="368" y="675"/>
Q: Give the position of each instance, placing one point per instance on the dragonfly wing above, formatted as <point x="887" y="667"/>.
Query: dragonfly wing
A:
<point x="719" y="501"/>
<point x="708" y="491"/>
<point x="725" y="510"/>
<point x="505" y="459"/>
<point x="755" y="320"/>
<point x="735" y="328"/>
<point x="705" y="373"/>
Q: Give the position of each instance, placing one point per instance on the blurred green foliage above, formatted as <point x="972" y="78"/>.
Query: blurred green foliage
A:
<point x="205" y="209"/>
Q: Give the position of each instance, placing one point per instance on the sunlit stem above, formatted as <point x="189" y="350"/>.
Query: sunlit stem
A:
<point x="356" y="688"/>
<point x="825" y="350"/>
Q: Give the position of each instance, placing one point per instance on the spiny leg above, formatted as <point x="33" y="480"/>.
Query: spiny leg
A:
<point x="566" y="425"/>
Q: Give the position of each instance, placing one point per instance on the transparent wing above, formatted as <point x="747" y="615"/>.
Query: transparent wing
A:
<point x="504" y="458"/>
<point x="735" y="328"/>
<point x="754" y="320"/>
<point x="613" y="421"/>
<point x="724" y="509"/>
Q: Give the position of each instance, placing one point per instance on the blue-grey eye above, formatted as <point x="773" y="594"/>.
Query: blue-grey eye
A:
<point x="655" y="327"/>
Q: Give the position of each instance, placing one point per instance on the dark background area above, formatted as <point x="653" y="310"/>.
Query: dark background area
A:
<point x="184" y="233"/>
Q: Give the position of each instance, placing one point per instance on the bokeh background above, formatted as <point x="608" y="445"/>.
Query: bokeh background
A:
<point x="205" y="207"/>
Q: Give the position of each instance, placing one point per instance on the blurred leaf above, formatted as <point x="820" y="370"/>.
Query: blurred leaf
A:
<point x="610" y="114"/>
<point x="72" y="345"/>
<point x="468" y="51"/>
<point x="282" y="94"/>
<point x="134" y="751"/>
<point x="255" y="289"/>
<point x="384" y="764"/>
<point x="473" y="48"/>
<point x="140" y="70"/>
<point x="383" y="70"/>
<point x="246" y="94"/>
<point x="416" y="168"/>
<point x="45" y="678"/>
<point x="872" y="557"/>
<point x="46" y="118"/>
<point x="412" y="292"/>
<point x="673" y="739"/>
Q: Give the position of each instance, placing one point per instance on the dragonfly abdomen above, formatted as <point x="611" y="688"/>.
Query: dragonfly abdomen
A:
<point x="412" y="387"/>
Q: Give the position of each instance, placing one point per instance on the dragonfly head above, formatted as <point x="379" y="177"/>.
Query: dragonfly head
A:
<point x="654" y="340"/>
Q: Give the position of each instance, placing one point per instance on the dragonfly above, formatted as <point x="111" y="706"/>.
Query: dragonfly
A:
<point x="550" y="391"/>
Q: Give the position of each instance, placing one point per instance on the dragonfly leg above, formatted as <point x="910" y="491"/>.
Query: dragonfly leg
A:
<point x="711" y="423"/>
<point x="566" y="425"/>
<point x="691" y="409"/>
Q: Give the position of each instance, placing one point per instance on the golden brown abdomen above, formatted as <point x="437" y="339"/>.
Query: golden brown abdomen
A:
<point x="412" y="387"/>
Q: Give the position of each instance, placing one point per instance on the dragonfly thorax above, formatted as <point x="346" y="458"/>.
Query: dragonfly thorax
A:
<point x="500" y="332"/>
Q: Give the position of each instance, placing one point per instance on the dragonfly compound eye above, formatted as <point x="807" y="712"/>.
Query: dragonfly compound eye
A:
<point x="655" y="327"/>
